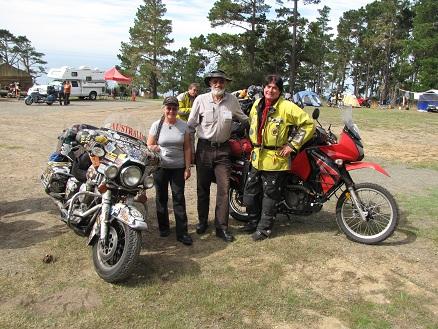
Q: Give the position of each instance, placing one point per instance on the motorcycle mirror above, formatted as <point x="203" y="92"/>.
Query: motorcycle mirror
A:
<point x="315" y="114"/>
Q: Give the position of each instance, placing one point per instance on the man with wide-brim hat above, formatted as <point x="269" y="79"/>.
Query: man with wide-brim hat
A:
<point x="211" y="117"/>
<point x="215" y="74"/>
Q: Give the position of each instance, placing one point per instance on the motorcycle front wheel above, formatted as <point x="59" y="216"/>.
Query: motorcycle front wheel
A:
<point x="381" y="219"/>
<point x="237" y="208"/>
<point x="115" y="260"/>
<point x="28" y="100"/>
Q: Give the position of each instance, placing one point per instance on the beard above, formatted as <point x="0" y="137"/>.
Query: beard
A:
<point x="217" y="91"/>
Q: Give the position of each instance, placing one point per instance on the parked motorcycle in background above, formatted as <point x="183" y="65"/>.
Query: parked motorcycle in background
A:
<point x="97" y="178"/>
<point x="37" y="97"/>
<point x="365" y="212"/>
<point x="364" y="102"/>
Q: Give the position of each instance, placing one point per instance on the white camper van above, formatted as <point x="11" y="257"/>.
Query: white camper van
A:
<point x="85" y="82"/>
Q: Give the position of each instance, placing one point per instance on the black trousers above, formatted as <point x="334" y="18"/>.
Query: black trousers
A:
<point x="66" y="98"/>
<point x="213" y="164"/>
<point x="262" y="192"/>
<point x="175" y="177"/>
<point x="61" y="98"/>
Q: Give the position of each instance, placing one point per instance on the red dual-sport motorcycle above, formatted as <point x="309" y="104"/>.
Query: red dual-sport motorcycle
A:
<point x="365" y="212"/>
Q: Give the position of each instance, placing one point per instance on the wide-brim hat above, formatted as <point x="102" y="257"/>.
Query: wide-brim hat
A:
<point x="215" y="74"/>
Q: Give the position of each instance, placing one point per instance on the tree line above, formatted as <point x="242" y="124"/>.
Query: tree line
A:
<point x="378" y="49"/>
<point x="18" y="52"/>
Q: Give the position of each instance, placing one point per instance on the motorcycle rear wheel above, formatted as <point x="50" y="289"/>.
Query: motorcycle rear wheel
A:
<point x="382" y="218"/>
<point x="114" y="262"/>
<point x="237" y="208"/>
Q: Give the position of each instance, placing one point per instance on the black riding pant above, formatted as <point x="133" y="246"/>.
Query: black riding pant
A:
<point x="262" y="192"/>
<point x="175" y="177"/>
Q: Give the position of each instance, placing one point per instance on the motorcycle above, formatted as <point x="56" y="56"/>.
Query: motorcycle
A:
<point x="364" y="102"/>
<point x="365" y="212"/>
<point x="98" y="178"/>
<point x="36" y="97"/>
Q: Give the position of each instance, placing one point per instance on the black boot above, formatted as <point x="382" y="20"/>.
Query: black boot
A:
<point x="249" y="227"/>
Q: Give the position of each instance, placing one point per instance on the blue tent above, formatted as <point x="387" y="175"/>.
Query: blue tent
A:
<point x="427" y="100"/>
<point x="307" y="98"/>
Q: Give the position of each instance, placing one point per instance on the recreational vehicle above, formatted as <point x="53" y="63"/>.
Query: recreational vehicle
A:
<point x="85" y="82"/>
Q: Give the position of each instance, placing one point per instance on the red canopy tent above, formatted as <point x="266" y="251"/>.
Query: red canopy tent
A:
<point x="113" y="74"/>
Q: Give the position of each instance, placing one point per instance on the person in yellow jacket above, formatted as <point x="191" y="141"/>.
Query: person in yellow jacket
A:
<point x="271" y="120"/>
<point x="185" y="101"/>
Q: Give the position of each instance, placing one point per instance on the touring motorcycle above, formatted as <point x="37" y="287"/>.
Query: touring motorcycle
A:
<point x="37" y="97"/>
<point x="365" y="212"/>
<point x="98" y="178"/>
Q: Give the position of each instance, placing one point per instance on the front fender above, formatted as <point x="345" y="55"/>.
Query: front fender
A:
<point x="129" y="215"/>
<point x="360" y="165"/>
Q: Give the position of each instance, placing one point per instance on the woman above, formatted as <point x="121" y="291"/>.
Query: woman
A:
<point x="271" y="119"/>
<point x="169" y="136"/>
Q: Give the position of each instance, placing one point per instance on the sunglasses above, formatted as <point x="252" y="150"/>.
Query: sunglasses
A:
<point x="173" y="109"/>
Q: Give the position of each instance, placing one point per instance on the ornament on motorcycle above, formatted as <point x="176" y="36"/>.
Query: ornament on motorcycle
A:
<point x="98" y="151"/>
<point x="101" y="139"/>
<point x="95" y="161"/>
<point x="339" y="162"/>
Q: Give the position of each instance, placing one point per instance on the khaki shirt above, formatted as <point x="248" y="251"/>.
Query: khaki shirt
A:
<point x="213" y="121"/>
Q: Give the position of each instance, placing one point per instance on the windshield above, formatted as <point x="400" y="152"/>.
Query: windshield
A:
<point x="347" y="118"/>
<point x="126" y="124"/>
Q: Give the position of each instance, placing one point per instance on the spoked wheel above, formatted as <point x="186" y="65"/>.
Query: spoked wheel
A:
<point x="114" y="260"/>
<point x="237" y="208"/>
<point x="381" y="214"/>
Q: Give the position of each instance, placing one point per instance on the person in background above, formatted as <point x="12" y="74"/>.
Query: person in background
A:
<point x="67" y="91"/>
<point x="271" y="119"/>
<point x="170" y="137"/>
<point x="61" y="93"/>
<point x="185" y="101"/>
<point x="211" y="117"/>
<point x="133" y="94"/>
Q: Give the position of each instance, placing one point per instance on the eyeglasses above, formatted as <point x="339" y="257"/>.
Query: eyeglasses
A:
<point x="173" y="109"/>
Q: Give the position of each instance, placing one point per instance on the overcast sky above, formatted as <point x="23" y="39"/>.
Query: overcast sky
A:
<point x="89" y="32"/>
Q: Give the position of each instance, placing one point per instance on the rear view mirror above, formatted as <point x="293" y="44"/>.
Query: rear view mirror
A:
<point x="315" y="114"/>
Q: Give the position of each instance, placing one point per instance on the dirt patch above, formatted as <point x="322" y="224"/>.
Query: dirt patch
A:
<point x="69" y="300"/>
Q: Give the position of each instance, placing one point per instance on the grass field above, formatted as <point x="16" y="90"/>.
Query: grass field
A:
<point x="309" y="275"/>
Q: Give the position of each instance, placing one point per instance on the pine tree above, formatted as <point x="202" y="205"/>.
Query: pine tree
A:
<point x="144" y="56"/>
<point x="425" y="44"/>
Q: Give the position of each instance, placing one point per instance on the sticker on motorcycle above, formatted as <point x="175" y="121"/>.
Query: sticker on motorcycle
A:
<point x="111" y="156"/>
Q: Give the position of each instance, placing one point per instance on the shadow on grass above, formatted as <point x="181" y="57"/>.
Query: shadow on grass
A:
<point x="19" y="227"/>
<point x="325" y="221"/>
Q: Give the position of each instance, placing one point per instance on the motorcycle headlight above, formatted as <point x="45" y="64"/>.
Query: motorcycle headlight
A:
<point x="131" y="176"/>
<point x="111" y="172"/>
<point x="148" y="182"/>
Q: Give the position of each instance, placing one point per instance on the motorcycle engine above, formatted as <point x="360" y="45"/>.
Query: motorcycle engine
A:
<point x="300" y="201"/>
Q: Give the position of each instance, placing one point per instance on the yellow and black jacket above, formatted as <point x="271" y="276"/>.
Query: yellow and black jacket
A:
<point x="282" y="116"/>
<point x="185" y="103"/>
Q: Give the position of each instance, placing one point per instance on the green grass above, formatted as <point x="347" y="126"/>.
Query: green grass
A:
<point x="422" y="213"/>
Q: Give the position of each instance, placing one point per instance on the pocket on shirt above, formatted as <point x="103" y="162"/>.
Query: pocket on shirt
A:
<point x="209" y="117"/>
